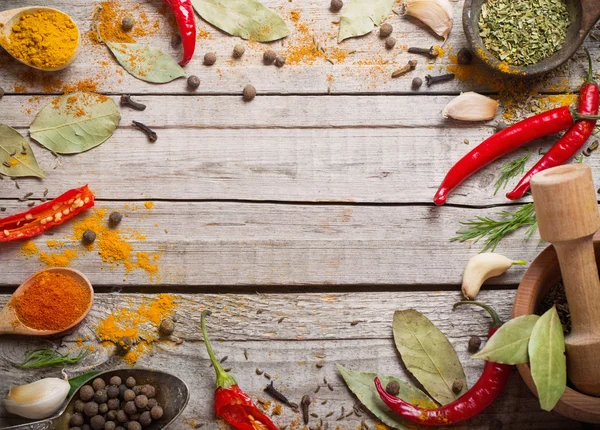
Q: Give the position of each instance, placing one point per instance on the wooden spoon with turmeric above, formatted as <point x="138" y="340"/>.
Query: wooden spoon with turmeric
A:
<point x="48" y="302"/>
<point x="40" y="37"/>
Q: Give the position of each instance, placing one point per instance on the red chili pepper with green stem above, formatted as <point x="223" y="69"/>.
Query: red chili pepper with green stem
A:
<point x="231" y="403"/>
<point x="572" y="140"/>
<point x="489" y="386"/>
<point x="184" y="15"/>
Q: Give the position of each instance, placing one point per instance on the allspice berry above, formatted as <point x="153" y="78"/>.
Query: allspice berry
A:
<point x="336" y="5"/>
<point x="90" y="409"/>
<point x="86" y="393"/>
<point x="385" y="30"/>
<point x="416" y="83"/>
<point x="269" y="56"/>
<point x="279" y="61"/>
<point x="145" y="419"/>
<point x="97" y="422"/>
<point x="193" y="82"/>
<point x="127" y="23"/>
<point x="115" y="380"/>
<point x="393" y="388"/>
<point x="464" y="56"/>
<point x="167" y="326"/>
<point x="114" y="219"/>
<point x="210" y="58"/>
<point x="98" y="384"/>
<point x="141" y="401"/>
<point x="156" y="412"/>
<point x="76" y="420"/>
<point x="238" y="50"/>
<point x="130" y="382"/>
<point x="134" y="425"/>
<point x="390" y="42"/>
<point x="457" y="386"/>
<point x="474" y="344"/>
<point x="249" y="92"/>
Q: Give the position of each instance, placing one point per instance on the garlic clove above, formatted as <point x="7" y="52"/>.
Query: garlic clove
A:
<point x="480" y="268"/>
<point x="436" y="14"/>
<point x="471" y="106"/>
<point x="40" y="399"/>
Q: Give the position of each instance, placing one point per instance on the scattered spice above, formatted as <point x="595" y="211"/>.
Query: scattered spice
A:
<point x="416" y="83"/>
<point x="271" y="391"/>
<point x="249" y="93"/>
<point x="115" y="218"/>
<point x="330" y="387"/>
<point x="474" y="344"/>
<point x="390" y="42"/>
<point x="238" y="50"/>
<point x="53" y="301"/>
<point x="127" y="23"/>
<point x="304" y="404"/>
<point x="210" y="58"/>
<point x="269" y="56"/>
<point x="167" y="327"/>
<point x="457" y="386"/>
<point x="405" y="69"/>
<point x="126" y="100"/>
<point x="89" y="236"/>
<point x="336" y="5"/>
<point x="431" y="52"/>
<point x="440" y="78"/>
<point x="152" y="136"/>
<point x="279" y="61"/>
<point x="393" y="388"/>
<point x="385" y="30"/>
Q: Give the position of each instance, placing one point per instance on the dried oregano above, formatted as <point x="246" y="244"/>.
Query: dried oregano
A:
<point x="523" y="32"/>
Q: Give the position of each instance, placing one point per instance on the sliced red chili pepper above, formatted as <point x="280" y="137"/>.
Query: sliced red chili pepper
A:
<point x="40" y="218"/>
<point x="571" y="141"/>
<point x="489" y="386"/>
<point x="231" y="403"/>
<point x="184" y="15"/>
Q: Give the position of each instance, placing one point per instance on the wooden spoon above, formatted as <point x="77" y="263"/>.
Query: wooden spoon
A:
<point x="9" y="321"/>
<point x="582" y="13"/>
<point x="8" y="18"/>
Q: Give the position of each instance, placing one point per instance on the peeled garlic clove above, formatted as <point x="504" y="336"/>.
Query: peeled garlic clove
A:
<point x="40" y="399"/>
<point x="471" y="106"/>
<point x="436" y="14"/>
<point x="482" y="267"/>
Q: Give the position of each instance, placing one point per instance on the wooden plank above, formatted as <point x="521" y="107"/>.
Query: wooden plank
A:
<point x="219" y="243"/>
<point x="315" y="329"/>
<point x="362" y="71"/>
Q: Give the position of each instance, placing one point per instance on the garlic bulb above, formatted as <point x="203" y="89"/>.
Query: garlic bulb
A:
<point x="436" y="14"/>
<point x="471" y="106"/>
<point x="37" y="400"/>
<point x="482" y="267"/>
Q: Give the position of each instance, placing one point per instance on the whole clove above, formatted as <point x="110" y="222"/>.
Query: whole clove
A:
<point x="152" y="136"/>
<point x="304" y="404"/>
<point x="431" y="52"/>
<point x="440" y="78"/>
<point x="405" y="69"/>
<point x="126" y="100"/>
<point x="272" y="391"/>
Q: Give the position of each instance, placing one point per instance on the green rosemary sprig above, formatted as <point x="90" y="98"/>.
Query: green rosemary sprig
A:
<point x="494" y="230"/>
<point x="46" y="357"/>
<point x="510" y="170"/>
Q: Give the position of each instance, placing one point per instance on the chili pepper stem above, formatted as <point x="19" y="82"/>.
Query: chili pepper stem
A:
<point x="520" y="262"/>
<point x="496" y="321"/>
<point x="590" y="76"/>
<point x="224" y="379"/>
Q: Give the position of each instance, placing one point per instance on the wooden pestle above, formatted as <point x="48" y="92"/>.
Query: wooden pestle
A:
<point x="568" y="217"/>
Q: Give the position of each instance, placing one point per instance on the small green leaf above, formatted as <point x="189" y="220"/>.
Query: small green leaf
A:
<point x="145" y="62"/>
<point x="15" y="151"/>
<point x="363" y="386"/>
<point x="362" y="16"/>
<point x="75" y="122"/>
<point x="547" y="359"/>
<point x="510" y="343"/>
<point x="247" y="19"/>
<point x="428" y="355"/>
<point x="78" y="381"/>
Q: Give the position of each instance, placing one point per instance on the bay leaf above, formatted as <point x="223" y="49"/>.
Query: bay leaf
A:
<point x="247" y="19"/>
<point x="509" y="345"/>
<point x="16" y="151"/>
<point x="145" y="62"/>
<point x="362" y="16"/>
<point x="547" y="359"/>
<point x="428" y="355"/>
<point x="363" y="386"/>
<point x="75" y="122"/>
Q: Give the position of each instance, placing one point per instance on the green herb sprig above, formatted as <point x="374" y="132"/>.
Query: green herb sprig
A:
<point x="46" y="357"/>
<point x="494" y="230"/>
<point x="510" y="170"/>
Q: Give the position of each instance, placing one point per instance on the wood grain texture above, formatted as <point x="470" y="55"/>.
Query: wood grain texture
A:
<point x="219" y="243"/>
<point x="367" y="68"/>
<point x="315" y="329"/>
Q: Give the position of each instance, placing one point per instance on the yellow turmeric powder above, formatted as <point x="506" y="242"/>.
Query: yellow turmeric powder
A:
<point x="46" y="39"/>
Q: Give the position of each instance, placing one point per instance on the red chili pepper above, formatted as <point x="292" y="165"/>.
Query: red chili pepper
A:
<point x="231" y="403"/>
<point x="40" y="218"/>
<point x="491" y="383"/>
<point x="571" y="141"/>
<point x="184" y="15"/>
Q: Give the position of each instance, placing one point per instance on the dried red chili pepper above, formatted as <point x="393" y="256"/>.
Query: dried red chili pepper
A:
<point x="572" y="140"/>
<point x="489" y="386"/>
<point x="184" y="15"/>
<point x="47" y="215"/>
<point x="504" y="142"/>
<point x="231" y="403"/>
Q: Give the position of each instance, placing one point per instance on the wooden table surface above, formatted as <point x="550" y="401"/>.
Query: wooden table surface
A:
<point x="291" y="216"/>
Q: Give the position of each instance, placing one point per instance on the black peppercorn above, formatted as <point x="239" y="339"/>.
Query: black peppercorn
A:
<point x="238" y="50"/>
<point x="86" y="393"/>
<point x="249" y="92"/>
<point x="210" y="58"/>
<point x="90" y="409"/>
<point x="193" y="82"/>
<point x="474" y="344"/>
<point x="114" y="219"/>
<point x="393" y="388"/>
<point x="100" y="397"/>
<point x="127" y="23"/>
<point x="464" y="56"/>
<point x="76" y="419"/>
<point x="385" y="30"/>
<point x="390" y="42"/>
<point x="145" y="419"/>
<point x="416" y="83"/>
<point x="336" y="5"/>
<point x="167" y="326"/>
<point x="97" y="422"/>
<point x="269" y="56"/>
<point x="156" y="412"/>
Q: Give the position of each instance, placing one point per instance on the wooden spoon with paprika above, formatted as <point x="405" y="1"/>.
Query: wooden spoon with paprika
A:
<point x="11" y="318"/>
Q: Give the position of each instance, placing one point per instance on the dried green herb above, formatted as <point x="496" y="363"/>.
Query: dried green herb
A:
<point x="523" y="32"/>
<point x="46" y="357"/>
<point x="510" y="170"/>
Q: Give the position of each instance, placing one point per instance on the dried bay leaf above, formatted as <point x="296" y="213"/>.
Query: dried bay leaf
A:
<point x="428" y="355"/>
<point x="509" y="345"/>
<point x="547" y="359"/>
<point x="247" y="19"/>
<point x="146" y="63"/>
<point x="362" y="16"/>
<point x="75" y="122"/>
<point x="15" y="151"/>
<point x="363" y="386"/>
